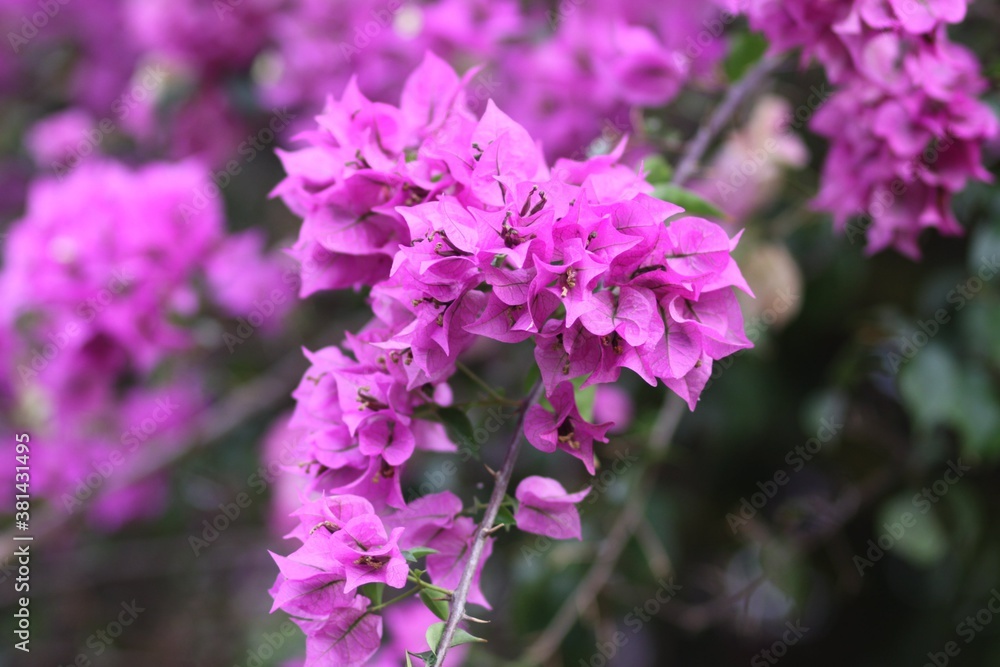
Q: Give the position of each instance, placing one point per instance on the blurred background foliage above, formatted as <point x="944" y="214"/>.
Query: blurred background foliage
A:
<point x="849" y="355"/>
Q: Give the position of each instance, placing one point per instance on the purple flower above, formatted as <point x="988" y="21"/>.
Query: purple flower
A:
<point x="564" y="429"/>
<point x="368" y="554"/>
<point x="100" y="318"/>
<point x="461" y="229"/>
<point x="544" y="508"/>
<point x="905" y="125"/>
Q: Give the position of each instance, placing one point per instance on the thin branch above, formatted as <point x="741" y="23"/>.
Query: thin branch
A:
<point x="656" y="554"/>
<point x="669" y="415"/>
<point x="697" y="617"/>
<point x="479" y="540"/>
<point x="490" y="391"/>
<point x="735" y="96"/>
<point x="624" y="526"/>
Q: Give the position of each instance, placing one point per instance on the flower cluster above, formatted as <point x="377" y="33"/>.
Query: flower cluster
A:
<point x="589" y="61"/>
<point x="193" y="80"/>
<point x="102" y="287"/>
<point x="905" y="123"/>
<point x="463" y="232"/>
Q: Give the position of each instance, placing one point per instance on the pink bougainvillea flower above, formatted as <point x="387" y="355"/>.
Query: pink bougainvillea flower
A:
<point x="545" y="508"/>
<point x="368" y="554"/>
<point x="564" y="429"/>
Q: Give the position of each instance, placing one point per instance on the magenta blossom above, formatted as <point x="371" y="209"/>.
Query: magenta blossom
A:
<point x="545" y="508"/>
<point x="905" y="123"/>
<point x="462" y="230"/>
<point x="368" y="554"/>
<point x="564" y="429"/>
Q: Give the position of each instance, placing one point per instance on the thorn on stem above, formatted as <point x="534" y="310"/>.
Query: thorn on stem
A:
<point x="473" y="619"/>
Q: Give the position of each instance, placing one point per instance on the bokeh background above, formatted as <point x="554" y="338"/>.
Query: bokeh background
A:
<point x="854" y="409"/>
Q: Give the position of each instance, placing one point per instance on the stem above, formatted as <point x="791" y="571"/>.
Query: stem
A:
<point x="479" y="540"/>
<point x="624" y="526"/>
<point x="429" y="586"/>
<point x="482" y="383"/>
<point x="401" y="596"/>
<point x="735" y="96"/>
<point x="668" y="417"/>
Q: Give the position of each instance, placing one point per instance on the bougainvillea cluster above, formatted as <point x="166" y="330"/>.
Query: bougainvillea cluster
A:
<point x="904" y="122"/>
<point x="462" y="231"/>
<point x="108" y="283"/>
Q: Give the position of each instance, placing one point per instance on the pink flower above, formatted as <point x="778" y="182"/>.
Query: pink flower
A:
<point x="466" y="231"/>
<point x="564" y="429"/>
<point x="613" y="404"/>
<point x="905" y="125"/>
<point x="111" y="308"/>
<point x="544" y="508"/>
<point x="368" y="554"/>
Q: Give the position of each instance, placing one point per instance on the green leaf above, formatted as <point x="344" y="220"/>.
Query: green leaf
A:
<point x="747" y="48"/>
<point x="461" y="636"/>
<point x="438" y="606"/>
<point x="409" y="663"/>
<point x="433" y="635"/>
<point x="533" y="376"/>
<point x="929" y="385"/>
<point x="923" y="543"/>
<point x="416" y="553"/>
<point x="373" y="592"/>
<point x="585" y="398"/>
<point x="975" y="413"/>
<point x="458" y="423"/>
<point x="426" y="656"/>
<point x="506" y="517"/>
<point x="693" y="203"/>
<point x="657" y="169"/>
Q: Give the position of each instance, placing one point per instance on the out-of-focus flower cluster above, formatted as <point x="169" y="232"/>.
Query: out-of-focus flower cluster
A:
<point x="106" y="282"/>
<point x="182" y="80"/>
<point x="461" y="230"/>
<point x="904" y="122"/>
<point x="571" y="70"/>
